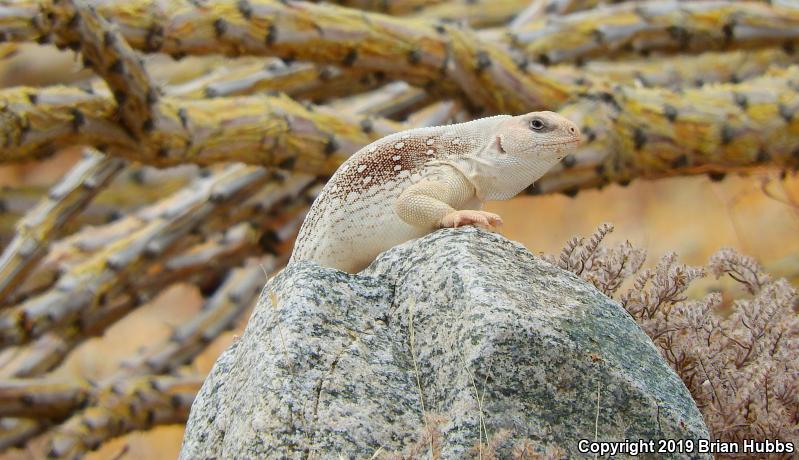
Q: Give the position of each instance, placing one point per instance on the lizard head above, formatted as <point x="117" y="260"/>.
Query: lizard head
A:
<point x="518" y="151"/>
<point x="545" y="136"/>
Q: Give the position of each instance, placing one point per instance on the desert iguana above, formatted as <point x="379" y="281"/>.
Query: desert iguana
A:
<point x="410" y="183"/>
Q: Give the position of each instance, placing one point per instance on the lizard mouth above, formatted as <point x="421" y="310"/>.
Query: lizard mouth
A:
<point x="501" y="149"/>
<point x="555" y="144"/>
<point x="559" y="153"/>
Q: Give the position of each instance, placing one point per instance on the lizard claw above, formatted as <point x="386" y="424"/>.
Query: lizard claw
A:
<point x="470" y="217"/>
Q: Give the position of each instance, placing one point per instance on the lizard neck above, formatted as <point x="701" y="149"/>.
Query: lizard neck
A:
<point x="502" y="178"/>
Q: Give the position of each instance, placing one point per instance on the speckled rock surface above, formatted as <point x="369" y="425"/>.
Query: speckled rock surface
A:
<point x="326" y="368"/>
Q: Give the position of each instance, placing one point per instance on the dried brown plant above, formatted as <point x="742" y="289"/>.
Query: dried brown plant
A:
<point x="427" y="443"/>
<point x="740" y="368"/>
<point x="606" y="268"/>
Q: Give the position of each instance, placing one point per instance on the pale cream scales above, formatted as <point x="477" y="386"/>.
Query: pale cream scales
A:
<point x="408" y="184"/>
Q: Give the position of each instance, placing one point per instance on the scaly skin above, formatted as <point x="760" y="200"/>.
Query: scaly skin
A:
<point x="410" y="183"/>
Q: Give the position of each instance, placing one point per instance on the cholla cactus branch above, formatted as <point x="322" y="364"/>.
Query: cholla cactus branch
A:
<point x="51" y="349"/>
<point x="538" y="9"/>
<point x="234" y="296"/>
<point x="108" y="54"/>
<point x="402" y="48"/>
<point x="45" y="398"/>
<point x="631" y="132"/>
<point x="98" y="275"/>
<point x="302" y="80"/>
<point x="682" y="71"/>
<point x="15" y="431"/>
<point x="657" y="26"/>
<point x="231" y="299"/>
<point x="126" y="406"/>
<point x="476" y="13"/>
<point x="270" y="131"/>
<point x="62" y="202"/>
<point x="34" y="122"/>
<point x="298" y="79"/>
<point x="655" y="132"/>
<point x="389" y="100"/>
<point x="219" y="252"/>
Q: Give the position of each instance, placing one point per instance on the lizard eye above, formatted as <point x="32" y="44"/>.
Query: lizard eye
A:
<point x="536" y="124"/>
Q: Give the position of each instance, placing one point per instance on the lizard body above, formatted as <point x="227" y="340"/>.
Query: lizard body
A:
<point x="408" y="184"/>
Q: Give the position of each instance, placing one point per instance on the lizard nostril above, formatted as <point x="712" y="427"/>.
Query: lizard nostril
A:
<point x="572" y="130"/>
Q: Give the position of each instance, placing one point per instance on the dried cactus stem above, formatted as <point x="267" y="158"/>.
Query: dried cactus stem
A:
<point x="105" y="50"/>
<point x="62" y="202"/>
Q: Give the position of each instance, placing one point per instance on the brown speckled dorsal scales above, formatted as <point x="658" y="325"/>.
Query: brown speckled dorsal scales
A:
<point x="410" y="183"/>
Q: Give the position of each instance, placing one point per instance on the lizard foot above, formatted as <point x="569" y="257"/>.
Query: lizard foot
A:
<point x="470" y="217"/>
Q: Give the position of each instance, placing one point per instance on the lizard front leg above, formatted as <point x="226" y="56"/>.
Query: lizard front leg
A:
<point x="432" y="203"/>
